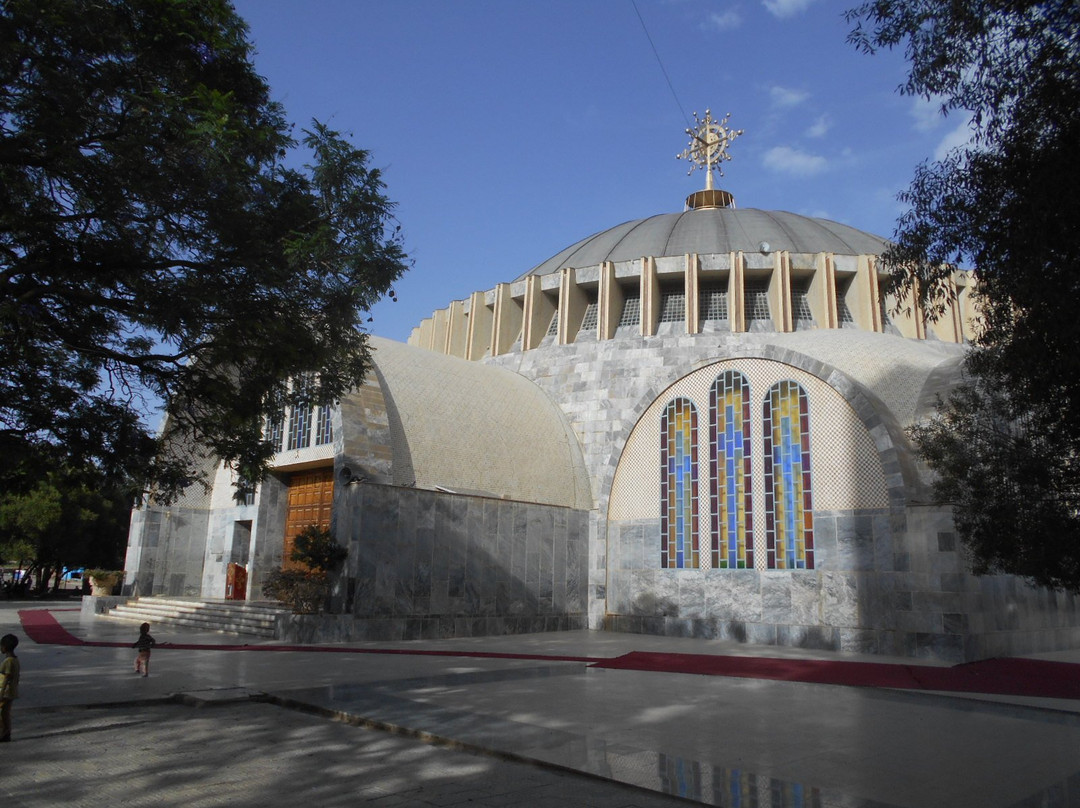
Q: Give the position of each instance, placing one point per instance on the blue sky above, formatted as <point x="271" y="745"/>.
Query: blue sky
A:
<point x="507" y="130"/>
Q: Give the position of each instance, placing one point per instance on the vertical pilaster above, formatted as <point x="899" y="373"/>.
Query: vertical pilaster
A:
<point x="457" y="330"/>
<point x="572" y="304"/>
<point x="650" y="297"/>
<point x="480" y="327"/>
<point x="538" y="313"/>
<point x="737" y="293"/>
<point x="610" y="301"/>
<point x="507" y="321"/>
<point x="693" y="277"/>
<point x="824" y="305"/>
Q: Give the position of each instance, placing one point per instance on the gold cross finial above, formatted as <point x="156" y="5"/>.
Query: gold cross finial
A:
<point x="709" y="141"/>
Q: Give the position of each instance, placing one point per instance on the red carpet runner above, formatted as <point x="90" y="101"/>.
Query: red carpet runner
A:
<point x="1011" y="676"/>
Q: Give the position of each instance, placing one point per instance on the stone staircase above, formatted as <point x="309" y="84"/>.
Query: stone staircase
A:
<point x="227" y="616"/>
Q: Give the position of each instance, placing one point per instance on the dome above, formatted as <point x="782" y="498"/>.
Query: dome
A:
<point x="713" y="230"/>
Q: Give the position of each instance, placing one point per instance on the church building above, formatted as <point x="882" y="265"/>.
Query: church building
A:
<point x="691" y="424"/>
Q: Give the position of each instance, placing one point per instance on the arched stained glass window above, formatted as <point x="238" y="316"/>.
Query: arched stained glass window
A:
<point x="729" y="449"/>
<point x="679" y="485"/>
<point x="789" y="514"/>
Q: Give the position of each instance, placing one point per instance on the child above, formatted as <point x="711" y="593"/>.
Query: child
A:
<point x="9" y="682"/>
<point x="144" y="644"/>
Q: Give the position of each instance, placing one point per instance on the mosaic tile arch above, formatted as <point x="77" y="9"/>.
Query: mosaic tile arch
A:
<point x="844" y="469"/>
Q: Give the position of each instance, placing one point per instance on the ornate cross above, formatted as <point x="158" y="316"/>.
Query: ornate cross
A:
<point x="709" y="141"/>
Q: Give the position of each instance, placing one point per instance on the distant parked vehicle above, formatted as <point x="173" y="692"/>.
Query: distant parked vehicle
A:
<point x="72" y="578"/>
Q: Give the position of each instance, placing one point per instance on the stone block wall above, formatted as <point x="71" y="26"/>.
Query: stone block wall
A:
<point x="430" y="564"/>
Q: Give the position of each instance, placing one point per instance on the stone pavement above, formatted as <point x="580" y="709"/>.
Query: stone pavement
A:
<point x="214" y="727"/>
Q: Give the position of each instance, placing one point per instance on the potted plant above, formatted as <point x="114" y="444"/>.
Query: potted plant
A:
<point x="102" y="582"/>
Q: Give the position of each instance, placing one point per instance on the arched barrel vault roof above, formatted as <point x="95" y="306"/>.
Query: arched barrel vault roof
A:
<point x="713" y="230"/>
<point x="474" y="428"/>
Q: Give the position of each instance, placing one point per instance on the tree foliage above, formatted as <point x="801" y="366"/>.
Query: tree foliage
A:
<point x="1007" y="445"/>
<point x="157" y="242"/>
<point x="316" y="549"/>
<point x="61" y="518"/>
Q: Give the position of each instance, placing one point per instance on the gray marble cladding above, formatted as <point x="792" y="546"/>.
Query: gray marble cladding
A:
<point x="456" y="563"/>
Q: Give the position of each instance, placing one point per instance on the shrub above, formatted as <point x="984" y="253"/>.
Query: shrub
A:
<point x="303" y="592"/>
<point x="315" y="547"/>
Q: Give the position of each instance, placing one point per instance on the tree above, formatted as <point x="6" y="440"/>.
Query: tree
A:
<point x="62" y="519"/>
<point x="156" y="242"/>
<point x="1006" y="445"/>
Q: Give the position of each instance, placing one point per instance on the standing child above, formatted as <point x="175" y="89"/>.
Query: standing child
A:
<point x="144" y="644"/>
<point x="9" y="682"/>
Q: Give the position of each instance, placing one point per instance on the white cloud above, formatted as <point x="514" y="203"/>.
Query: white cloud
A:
<point x="958" y="137"/>
<point x="820" y="127"/>
<point x="927" y="113"/>
<point x="786" y="160"/>
<point x="786" y="8"/>
<point x="724" y="20"/>
<point x="784" y="97"/>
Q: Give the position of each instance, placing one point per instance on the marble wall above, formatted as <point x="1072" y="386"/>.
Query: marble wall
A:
<point x="166" y="550"/>
<point x="430" y="564"/>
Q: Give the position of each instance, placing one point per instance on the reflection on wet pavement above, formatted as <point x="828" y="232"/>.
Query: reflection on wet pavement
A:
<point x="465" y="709"/>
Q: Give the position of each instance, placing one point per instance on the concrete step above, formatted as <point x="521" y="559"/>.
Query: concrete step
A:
<point x="230" y="617"/>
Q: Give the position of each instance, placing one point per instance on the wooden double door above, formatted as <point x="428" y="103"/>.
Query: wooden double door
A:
<point x="311" y="496"/>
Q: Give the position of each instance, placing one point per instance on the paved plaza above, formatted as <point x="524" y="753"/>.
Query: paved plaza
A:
<point x="501" y="721"/>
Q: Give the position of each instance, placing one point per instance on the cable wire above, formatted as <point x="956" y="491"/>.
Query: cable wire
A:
<point x="660" y="62"/>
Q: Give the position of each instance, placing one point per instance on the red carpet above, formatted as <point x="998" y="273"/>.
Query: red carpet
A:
<point x="1013" y="677"/>
<point x="41" y="627"/>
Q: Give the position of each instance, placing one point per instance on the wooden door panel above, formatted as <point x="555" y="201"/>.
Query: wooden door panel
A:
<point x="311" y="495"/>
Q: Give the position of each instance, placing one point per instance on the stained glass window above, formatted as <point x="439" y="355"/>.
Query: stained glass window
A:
<point x="275" y="430"/>
<point x="679" y="485"/>
<point x="300" y="413"/>
<point x="730" y="494"/>
<point x="789" y="514"/>
<point x="324" y="428"/>
<point x="300" y="427"/>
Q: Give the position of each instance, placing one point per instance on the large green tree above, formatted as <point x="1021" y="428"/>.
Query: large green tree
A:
<point x="63" y="518"/>
<point x="1006" y="446"/>
<point x="163" y="238"/>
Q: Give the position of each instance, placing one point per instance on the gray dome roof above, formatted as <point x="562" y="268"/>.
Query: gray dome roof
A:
<point x="713" y="230"/>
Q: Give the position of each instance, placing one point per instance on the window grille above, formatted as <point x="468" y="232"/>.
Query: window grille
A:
<point x="712" y="303"/>
<point x="631" y="311"/>
<point x="757" y="301"/>
<point x="800" y="304"/>
<point x="843" y="312"/>
<point x="553" y="326"/>
<point x="588" y="322"/>
<point x="673" y="307"/>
